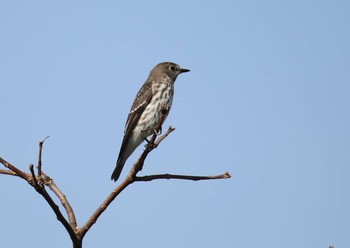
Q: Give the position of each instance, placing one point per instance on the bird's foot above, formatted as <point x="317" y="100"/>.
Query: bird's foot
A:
<point x="149" y="145"/>
<point x="159" y="132"/>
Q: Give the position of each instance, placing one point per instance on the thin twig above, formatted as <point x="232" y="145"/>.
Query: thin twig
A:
<point x="41" y="143"/>
<point x="59" y="215"/>
<point x="48" y="181"/>
<point x="40" y="188"/>
<point x="183" y="177"/>
<point x="160" y="139"/>
<point x="18" y="172"/>
<point x="35" y="181"/>
<point x="8" y="172"/>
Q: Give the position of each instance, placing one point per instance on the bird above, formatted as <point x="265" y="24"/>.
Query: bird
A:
<point x="155" y="95"/>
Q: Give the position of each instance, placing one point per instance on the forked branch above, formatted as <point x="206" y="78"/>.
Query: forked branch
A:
<point x="40" y="180"/>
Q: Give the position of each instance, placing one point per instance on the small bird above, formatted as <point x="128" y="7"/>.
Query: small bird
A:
<point x="145" y="113"/>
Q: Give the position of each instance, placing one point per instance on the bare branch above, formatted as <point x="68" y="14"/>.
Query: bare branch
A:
<point x="59" y="215"/>
<point x="39" y="181"/>
<point x="8" y="172"/>
<point x="41" y="143"/>
<point x="160" y="139"/>
<point x="225" y="175"/>
<point x="32" y="179"/>
<point x="35" y="181"/>
<point x="14" y="169"/>
<point x="48" y="181"/>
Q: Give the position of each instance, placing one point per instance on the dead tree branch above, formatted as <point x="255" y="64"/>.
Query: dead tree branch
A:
<point x="40" y="180"/>
<point x="16" y="171"/>
<point x="182" y="177"/>
<point x="38" y="184"/>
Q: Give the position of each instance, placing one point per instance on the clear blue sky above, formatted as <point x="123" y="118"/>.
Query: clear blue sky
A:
<point x="267" y="99"/>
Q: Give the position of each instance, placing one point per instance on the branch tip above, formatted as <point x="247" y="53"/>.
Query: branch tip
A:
<point x="42" y="141"/>
<point x="226" y="175"/>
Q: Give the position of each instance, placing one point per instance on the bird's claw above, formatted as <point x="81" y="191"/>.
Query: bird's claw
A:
<point x="159" y="132"/>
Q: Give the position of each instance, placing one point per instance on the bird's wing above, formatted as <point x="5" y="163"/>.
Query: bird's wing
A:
<point x="140" y="103"/>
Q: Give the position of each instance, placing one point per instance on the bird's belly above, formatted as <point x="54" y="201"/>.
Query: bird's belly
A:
<point x="151" y="116"/>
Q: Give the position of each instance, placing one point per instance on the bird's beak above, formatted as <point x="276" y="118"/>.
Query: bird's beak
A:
<point x="184" y="70"/>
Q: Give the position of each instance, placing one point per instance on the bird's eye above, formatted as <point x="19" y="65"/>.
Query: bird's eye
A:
<point x="172" y="68"/>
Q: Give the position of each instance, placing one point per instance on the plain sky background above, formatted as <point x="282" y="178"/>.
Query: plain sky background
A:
<point x="267" y="99"/>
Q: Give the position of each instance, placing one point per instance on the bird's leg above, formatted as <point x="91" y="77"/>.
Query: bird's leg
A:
<point x="156" y="132"/>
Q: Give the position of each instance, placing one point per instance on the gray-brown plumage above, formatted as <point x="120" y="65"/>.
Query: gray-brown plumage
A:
<point x="156" y="93"/>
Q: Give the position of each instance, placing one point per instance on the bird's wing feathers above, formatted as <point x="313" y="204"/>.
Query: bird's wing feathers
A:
<point x="140" y="103"/>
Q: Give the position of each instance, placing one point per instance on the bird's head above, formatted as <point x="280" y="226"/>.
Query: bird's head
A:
<point x="172" y="70"/>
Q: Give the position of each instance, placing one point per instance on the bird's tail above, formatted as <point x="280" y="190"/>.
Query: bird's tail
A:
<point x="118" y="169"/>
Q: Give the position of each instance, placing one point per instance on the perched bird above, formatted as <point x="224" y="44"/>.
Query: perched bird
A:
<point x="156" y="93"/>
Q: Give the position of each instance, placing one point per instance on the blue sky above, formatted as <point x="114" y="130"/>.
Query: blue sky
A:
<point x="267" y="99"/>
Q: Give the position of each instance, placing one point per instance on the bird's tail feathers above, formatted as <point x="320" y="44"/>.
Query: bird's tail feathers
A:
<point x="118" y="169"/>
